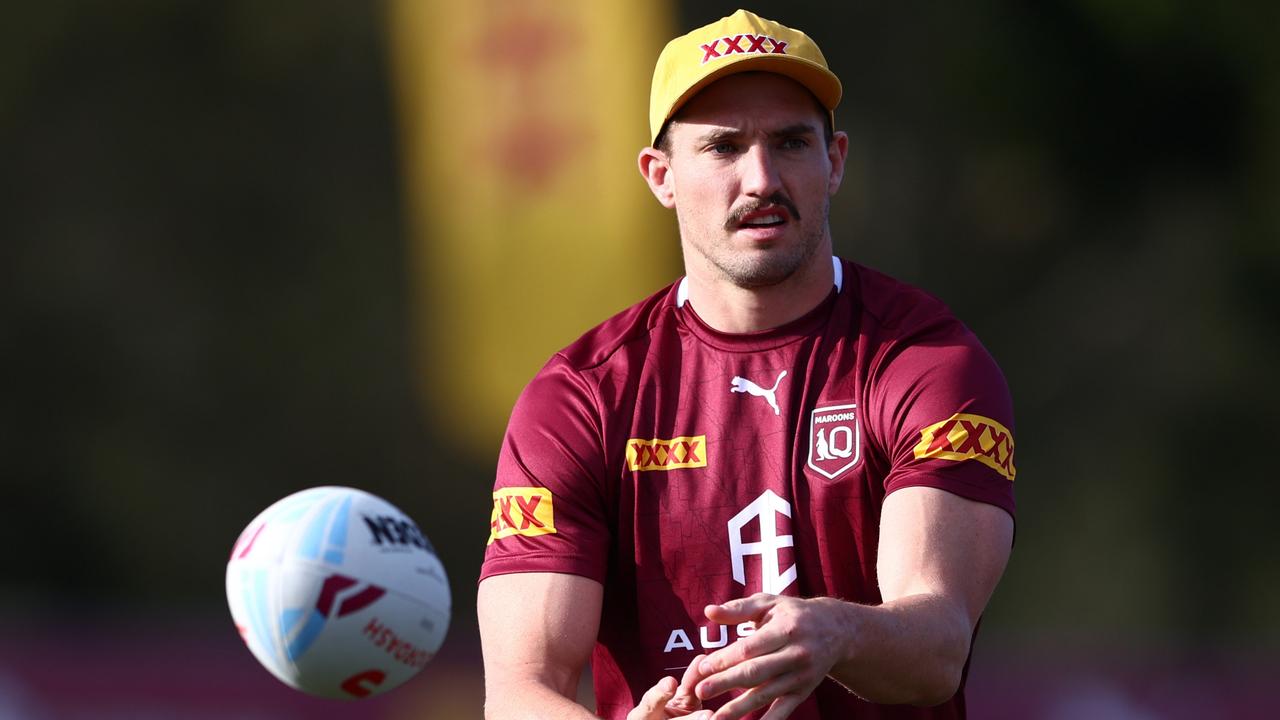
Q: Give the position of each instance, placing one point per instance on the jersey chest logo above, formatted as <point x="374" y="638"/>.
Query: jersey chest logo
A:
<point x="835" y="440"/>
<point x="764" y="510"/>
<point x="743" y="385"/>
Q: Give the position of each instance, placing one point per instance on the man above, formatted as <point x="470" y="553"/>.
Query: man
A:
<point x="781" y="487"/>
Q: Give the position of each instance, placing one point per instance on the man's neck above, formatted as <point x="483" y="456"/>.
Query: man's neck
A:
<point x="730" y="308"/>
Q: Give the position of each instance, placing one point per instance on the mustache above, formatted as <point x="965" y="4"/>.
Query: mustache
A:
<point x="735" y="217"/>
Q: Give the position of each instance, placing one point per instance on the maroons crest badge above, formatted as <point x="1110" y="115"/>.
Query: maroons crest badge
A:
<point x="835" y="440"/>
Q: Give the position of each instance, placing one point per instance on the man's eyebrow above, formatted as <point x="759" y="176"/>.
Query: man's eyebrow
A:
<point x="796" y="129"/>
<point x="718" y="135"/>
<point x="723" y="134"/>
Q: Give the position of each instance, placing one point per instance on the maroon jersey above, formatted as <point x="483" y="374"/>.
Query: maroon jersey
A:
<point x="681" y="466"/>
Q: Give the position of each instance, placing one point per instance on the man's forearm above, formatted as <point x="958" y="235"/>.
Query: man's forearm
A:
<point x="911" y="650"/>
<point x="530" y="700"/>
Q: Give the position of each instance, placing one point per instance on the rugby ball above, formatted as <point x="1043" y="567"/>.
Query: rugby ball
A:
<point x="338" y="593"/>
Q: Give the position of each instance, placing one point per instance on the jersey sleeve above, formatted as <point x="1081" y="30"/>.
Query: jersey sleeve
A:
<point x="548" y="501"/>
<point x="943" y="413"/>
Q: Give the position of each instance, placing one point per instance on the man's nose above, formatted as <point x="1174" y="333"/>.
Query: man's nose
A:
<point x="760" y="172"/>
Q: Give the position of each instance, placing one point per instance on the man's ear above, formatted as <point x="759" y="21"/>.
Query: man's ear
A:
<point x="838" y="154"/>
<point x="656" y="169"/>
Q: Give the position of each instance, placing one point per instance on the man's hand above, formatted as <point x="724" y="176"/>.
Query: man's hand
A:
<point x="668" y="699"/>
<point x="791" y="651"/>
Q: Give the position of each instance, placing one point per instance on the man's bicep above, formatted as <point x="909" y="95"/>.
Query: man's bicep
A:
<point x="537" y="627"/>
<point x="933" y="541"/>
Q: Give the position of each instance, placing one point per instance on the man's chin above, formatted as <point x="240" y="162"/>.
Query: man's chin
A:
<point x="767" y="265"/>
<point x="761" y="272"/>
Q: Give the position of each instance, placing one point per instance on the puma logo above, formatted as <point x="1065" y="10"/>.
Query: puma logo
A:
<point x="743" y="385"/>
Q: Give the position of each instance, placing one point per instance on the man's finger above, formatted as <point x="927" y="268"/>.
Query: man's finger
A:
<point x="685" y="699"/>
<point x="741" y="609"/>
<point x="745" y="675"/>
<point x="753" y="699"/>
<point x="691" y="674"/>
<point x="757" y="645"/>
<point x="654" y="699"/>
<point x="783" y="707"/>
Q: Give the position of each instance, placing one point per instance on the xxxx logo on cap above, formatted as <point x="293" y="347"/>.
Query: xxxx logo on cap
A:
<point x="727" y="46"/>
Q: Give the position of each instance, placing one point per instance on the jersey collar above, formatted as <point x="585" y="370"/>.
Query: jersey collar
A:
<point x="682" y="292"/>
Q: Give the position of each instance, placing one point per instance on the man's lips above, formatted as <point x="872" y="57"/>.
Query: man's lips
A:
<point x="763" y="213"/>
<point x="767" y="217"/>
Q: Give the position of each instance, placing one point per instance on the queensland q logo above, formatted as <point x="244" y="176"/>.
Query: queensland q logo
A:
<point x="835" y="439"/>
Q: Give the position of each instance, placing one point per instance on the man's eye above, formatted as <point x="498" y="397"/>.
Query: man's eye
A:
<point x="723" y="148"/>
<point x="795" y="143"/>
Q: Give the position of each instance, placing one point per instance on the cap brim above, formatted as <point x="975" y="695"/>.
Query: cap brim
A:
<point x="820" y="81"/>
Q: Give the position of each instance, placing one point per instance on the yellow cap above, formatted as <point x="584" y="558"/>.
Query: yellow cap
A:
<point x="741" y="42"/>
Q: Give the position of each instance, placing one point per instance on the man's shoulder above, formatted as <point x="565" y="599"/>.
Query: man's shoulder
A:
<point x="596" y="346"/>
<point x="896" y="306"/>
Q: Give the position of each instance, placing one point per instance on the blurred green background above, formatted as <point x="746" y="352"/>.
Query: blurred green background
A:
<point x="205" y="304"/>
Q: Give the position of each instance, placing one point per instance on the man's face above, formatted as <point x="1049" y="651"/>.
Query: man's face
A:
<point x="752" y="176"/>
